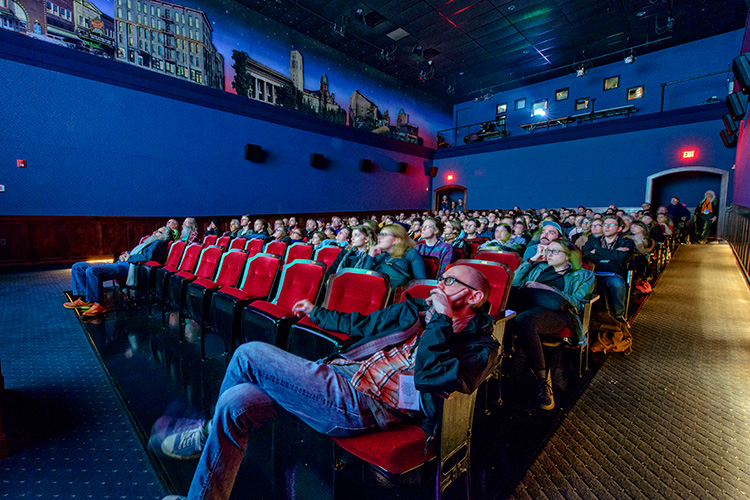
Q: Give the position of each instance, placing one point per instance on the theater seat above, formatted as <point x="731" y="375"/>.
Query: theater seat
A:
<point x="187" y="263"/>
<point x="567" y="338"/>
<point x="276" y="248"/>
<point x="350" y="290"/>
<point x="260" y="277"/>
<point x="327" y="255"/>
<point x="417" y="289"/>
<point x="254" y="246"/>
<point x="431" y="266"/>
<point x="223" y="242"/>
<point x="297" y="251"/>
<point x="500" y="278"/>
<point x="147" y="270"/>
<point x="209" y="240"/>
<point x="270" y="321"/>
<point x="178" y="282"/>
<point x="238" y="244"/>
<point x="510" y="259"/>
<point x="402" y="453"/>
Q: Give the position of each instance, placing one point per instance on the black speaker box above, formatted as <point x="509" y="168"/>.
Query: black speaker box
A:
<point x="735" y="105"/>
<point x="729" y="140"/>
<point x="365" y="165"/>
<point x="402" y="166"/>
<point x="432" y="172"/>
<point x="741" y="70"/>
<point x="729" y="124"/>
<point x="317" y="160"/>
<point x="253" y="152"/>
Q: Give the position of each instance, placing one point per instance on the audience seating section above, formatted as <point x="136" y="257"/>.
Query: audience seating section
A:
<point x="178" y="282"/>
<point x="431" y="266"/>
<point x="417" y="289"/>
<point x="238" y="244"/>
<point x="276" y="248"/>
<point x="254" y="246"/>
<point x="187" y="263"/>
<point x="350" y="290"/>
<point x="510" y="259"/>
<point x="223" y="242"/>
<point x="327" y="255"/>
<point x="297" y="251"/>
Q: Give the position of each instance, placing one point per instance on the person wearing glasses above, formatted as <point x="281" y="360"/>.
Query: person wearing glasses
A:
<point x="558" y="271"/>
<point x="396" y="256"/>
<point x="551" y="231"/>
<point x="429" y="348"/>
<point x="610" y="253"/>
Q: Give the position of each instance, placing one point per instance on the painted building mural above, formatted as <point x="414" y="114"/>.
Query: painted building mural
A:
<point x="224" y="45"/>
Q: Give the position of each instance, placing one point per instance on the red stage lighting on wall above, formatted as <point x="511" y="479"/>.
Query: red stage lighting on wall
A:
<point x="449" y="177"/>
<point x="688" y="153"/>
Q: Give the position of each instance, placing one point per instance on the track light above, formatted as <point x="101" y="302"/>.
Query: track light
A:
<point x="630" y="58"/>
<point x="580" y="71"/>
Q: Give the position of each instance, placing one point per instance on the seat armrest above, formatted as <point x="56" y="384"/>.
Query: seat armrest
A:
<point x="586" y="315"/>
<point x="498" y="327"/>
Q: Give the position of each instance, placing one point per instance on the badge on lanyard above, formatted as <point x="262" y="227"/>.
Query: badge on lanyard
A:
<point x="706" y="211"/>
<point x="408" y="395"/>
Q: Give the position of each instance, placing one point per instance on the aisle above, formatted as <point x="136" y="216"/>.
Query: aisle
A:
<point x="672" y="420"/>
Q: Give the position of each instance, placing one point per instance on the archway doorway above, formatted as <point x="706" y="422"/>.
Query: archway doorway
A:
<point x="452" y="192"/>
<point x="689" y="184"/>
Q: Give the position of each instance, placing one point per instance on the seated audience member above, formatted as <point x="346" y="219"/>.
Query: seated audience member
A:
<point x="666" y="224"/>
<point x="483" y="231"/>
<point x="520" y="230"/>
<point x="432" y="246"/>
<point x="89" y="278"/>
<point x="551" y="231"/>
<point x="470" y="228"/>
<point x="597" y="227"/>
<point x="504" y="240"/>
<point x="355" y="256"/>
<point x="279" y="234"/>
<point x="292" y="223"/>
<point x="260" y="230"/>
<point x="680" y="215"/>
<point x="336" y="224"/>
<point x="245" y="229"/>
<point x="644" y="245"/>
<point x="353" y="221"/>
<point x="556" y="269"/>
<point x="278" y="223"/>
<point x="610" y="253"/>
<point x="316" y="239"/>
<point x="454" y="235"/>
<point x="444" y="342"/>
<point x="295" y="235"/>
<point x="189" y="230"/>
<point x="343" y="236"/>
<point x="577" y="229"/>
<point x="396" y="256"/>
<point x="581" y="238"/>
<point x="415" y="231"/>
<point x="234" y="229"/>
<point x="444" y="205"/>
<point x="174" y="233"/>
<point x="310" y="227"/>
<point x="626" y="221"/>
<point x="654" y="230"/>
<point x="213" y="228"/>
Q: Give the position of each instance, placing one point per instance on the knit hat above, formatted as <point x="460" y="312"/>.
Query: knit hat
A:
<point x="553" y="224"/>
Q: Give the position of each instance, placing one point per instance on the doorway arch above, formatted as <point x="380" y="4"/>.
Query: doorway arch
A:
<point x="452" y="191"/>
<point x="723" y="190"/>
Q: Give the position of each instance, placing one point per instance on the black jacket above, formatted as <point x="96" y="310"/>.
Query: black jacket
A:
<point x="609" y="260"/>
<point x="446" y="361"/>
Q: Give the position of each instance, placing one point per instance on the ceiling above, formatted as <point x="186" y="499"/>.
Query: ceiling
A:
<point x="458" y="50"/>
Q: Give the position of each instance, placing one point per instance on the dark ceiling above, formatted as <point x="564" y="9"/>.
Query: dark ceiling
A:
<point x="461" y="49"/>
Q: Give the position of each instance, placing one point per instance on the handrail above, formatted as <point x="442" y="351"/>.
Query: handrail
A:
<point x="664" y="85"/>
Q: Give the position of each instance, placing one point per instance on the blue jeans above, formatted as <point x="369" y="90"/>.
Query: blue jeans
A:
<point x="261" y="381"/>
<point x="88" y="278"/>
<point x="617" y="291"/>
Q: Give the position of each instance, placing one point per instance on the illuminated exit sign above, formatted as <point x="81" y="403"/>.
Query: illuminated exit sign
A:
<point x="690" y="153"/>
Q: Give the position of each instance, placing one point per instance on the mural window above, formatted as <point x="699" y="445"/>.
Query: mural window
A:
<point x="190" y="21"/>
<point x="130" y="5"/>
<point x="520" y="104"/>
<point x="501" y="108"/>
<point x="140" y="60"/>
<point x="121" y="39"/>
<point x="130" y="41"/>
<point x="158" y="12"/>
<point x="635" y="92"/>
<point x="159" y="50"/>
<point x="138" y="4"/>
<point x="612" y="82"/>
<point x="582" y="103"/>
<point x="196" y="22"/>
<point x="130" y="16"/>
<point x="130" y="29"/>
<point x="152" y="10"/>
<point x="562" y="94"/>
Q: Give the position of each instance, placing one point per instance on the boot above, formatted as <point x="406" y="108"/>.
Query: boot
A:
<point x="545" y="399"/>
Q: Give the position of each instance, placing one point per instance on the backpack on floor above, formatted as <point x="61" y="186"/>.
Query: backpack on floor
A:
<point x="610" y="335"/>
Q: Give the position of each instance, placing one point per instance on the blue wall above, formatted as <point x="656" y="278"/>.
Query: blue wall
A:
<point x="705" y="56"/>
<point x="98" y="149"/>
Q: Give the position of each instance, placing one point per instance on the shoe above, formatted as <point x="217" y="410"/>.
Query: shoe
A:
<point x="95" y="310"/>
<point x="185" y="445"/>
<point x="78" y="304"/>
<point x="545" y="399"/>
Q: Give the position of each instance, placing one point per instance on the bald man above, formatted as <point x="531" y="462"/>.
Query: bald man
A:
<point x="436" y="346"/>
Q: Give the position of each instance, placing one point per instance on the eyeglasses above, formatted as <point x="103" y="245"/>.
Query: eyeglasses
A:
<point x="611" y="224"/>
<point x="451" y="280"/>
<point x="383" y="235"/>
<point x="555" y="252"/>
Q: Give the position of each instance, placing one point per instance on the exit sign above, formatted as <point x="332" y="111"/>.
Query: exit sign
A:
<point x="690" y="153"/>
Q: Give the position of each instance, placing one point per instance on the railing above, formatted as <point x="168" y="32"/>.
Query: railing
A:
<point x="738" y="235"/>
<point x="475" y="132"/>
<point x="664" y="86"/>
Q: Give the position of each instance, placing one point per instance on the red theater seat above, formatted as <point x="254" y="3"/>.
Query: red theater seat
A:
<point x="297" y="251"/>
<point x="178" y="282"/>
<point x="327" y="255"/>
<point x="510" y="259"/>
<point x="187" y="263"/>
<point x="254" y="246"/>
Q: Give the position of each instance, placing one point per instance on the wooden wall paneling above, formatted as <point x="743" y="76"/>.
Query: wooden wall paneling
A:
<point x="84" y="239"/>
<point x="48" y="241"/>
<point x="114" y="237"/>
<point x="16" y="249"/>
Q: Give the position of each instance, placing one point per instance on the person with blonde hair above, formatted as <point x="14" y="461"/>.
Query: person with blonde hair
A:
<point x="396" y="256"/>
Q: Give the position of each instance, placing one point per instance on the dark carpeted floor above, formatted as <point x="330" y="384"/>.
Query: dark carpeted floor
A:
<point x="672" y="420"/>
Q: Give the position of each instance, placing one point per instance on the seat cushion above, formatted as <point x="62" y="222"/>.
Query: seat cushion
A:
<point x="397" y="450"/>
<point x="205" y="283"/>
<point x="271" y="309"/>
<point x="564" y="333"/>
<point x="307" y="323"/>
<point x="235" y="292"/>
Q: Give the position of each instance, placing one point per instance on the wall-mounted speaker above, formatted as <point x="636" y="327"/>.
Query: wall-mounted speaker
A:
<point x="432" y="171"/>
<point x="729" y="124"/>
<point x="736" y="106"/>
<point x="402" y="166"/>
<point x="729" y="140"/>
<point x="365" y="165"/>
<point x="255" y="153"/>
<point x="741" y="70"/>
<point x="317" y="160"/>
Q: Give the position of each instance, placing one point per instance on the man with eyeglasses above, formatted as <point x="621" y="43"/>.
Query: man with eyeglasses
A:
<point x="402" y="360"/>
<point x="551" y="231"/>
<point x="610" y="253"/>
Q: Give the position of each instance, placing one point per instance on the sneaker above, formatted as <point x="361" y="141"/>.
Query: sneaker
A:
<point x="95" y="310"/>
<point x="78" y="304"/>
<point x="185" y="445"/>
<point x="545" y="399"/>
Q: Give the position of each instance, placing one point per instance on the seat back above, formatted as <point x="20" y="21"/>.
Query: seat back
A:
<point x="223" y="242"/>
<point x="473" y="245"/>
<point x="510" y="259"/>
<point x="143" y="238"/>
<point x="238" y="244"/>
<point x="254" y="246"/>
<point x="208" y="262"/>
<point x="431" y="266"/>
<point x="261" y="274"/>
<point x="327" y="255"/>
<point x="190" y="257"/>
<point x="302" y="279"/>
<point x="297" y="251"/>
<point x="175" y="253"/>
<point x="357" y="290"/>
<point x="418" y="289"/>
<point x="455" y="439"/>
<point x="230" y="268"/>
<point x="276" y="248"/>
<point x="210" y="240"/>
<point x="500" y="278"/>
